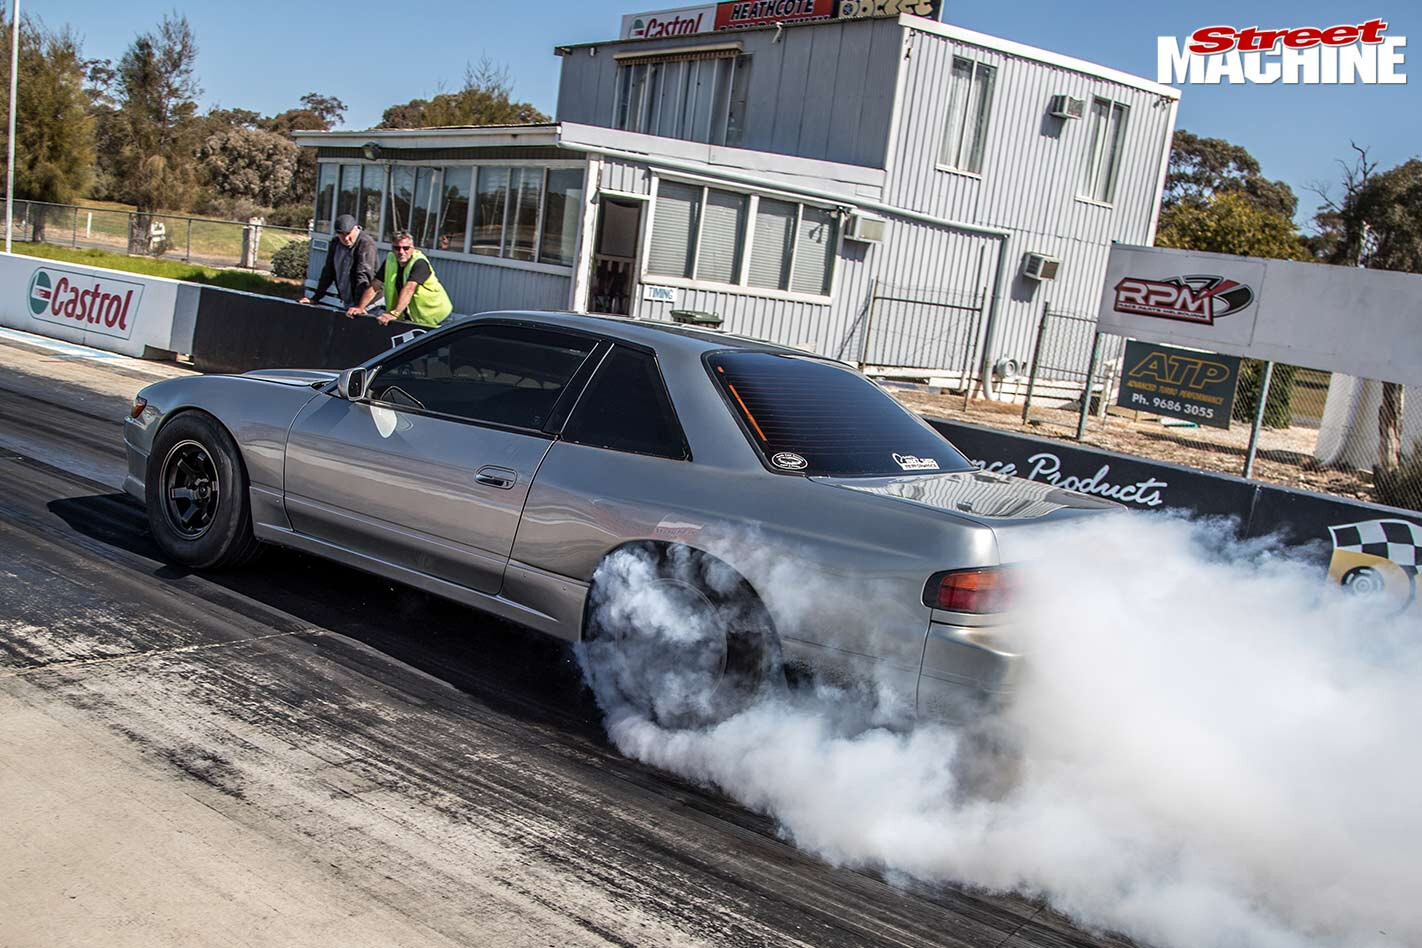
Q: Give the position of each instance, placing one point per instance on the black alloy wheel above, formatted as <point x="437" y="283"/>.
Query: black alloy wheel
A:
<point x="192" y="489"/>
<point x="197" y="493"/>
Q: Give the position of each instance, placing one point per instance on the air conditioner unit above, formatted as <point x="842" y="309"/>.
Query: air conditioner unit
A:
<point x="1039" y="266"/>
<point x="865" y="227"/>
<point x="1064" y="106"/>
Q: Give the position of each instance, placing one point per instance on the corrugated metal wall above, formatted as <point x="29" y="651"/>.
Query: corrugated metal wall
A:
<point x="1034" y="166"/>
<point x="476" y="287"/>
<point x="817" y="90"/>
<point x="919" y="259"/>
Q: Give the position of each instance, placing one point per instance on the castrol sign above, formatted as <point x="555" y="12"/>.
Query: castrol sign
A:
<point x="85" y="301"/>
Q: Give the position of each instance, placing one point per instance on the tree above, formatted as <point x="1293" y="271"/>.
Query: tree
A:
<point x="1201" y="168"/>
<point x="154" y="124"/>
<point x="54" y="133"/>
<point x="317" y="113"/>
<point x="1217" y="201"/>
<point x="485" y="99"/>
<point x="249" y="164"/>
<point x="1230" y="222"/>
<point x="329" y="109"/>
<point x="1378" y="224"/>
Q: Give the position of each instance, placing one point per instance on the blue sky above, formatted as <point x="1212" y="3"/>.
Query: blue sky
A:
<point x="263" y="56"/>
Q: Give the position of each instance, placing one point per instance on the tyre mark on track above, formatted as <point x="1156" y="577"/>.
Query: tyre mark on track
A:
<point x="440" y="787"/>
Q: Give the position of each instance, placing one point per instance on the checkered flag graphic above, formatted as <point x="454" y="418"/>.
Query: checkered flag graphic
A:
<point x="1396" y="540"/>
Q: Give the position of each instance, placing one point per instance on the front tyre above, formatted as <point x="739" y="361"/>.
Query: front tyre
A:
<point x="196" y="491"/>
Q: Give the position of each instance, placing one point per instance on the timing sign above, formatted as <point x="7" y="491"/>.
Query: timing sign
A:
<point x="1179" y="383"/>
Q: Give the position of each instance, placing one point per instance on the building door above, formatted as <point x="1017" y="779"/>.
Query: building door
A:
<point x="614" y="258"/>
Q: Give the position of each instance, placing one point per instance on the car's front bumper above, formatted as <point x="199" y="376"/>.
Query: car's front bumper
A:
<point x="136" y="435"/>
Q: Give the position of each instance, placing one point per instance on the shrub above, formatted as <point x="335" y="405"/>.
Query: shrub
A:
<point x="296" y="214"/>
<point x="290" y="260"/>
<point x="1279" y="411"/>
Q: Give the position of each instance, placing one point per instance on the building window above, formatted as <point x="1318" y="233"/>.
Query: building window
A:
<point x="1107" y="141"/>
<point x="325" y="198"/>
<point x="527" y="213"/>
<point x="526" y="195"/>
<point x="358" y="192"/>
<point x="701" y="233"/>
<point x="815" y="239"/>
<point x="697" y="98"/>
<point x="372" y="193"/>
<point x="969" y="102"/>
<point x="453" y="208"/>
<point x="774" y="244"/>
<point x="348" y="195"/>
<point x="490" y="199"/>
<point x="562" y="210"/>
<point x="674" y="230"/>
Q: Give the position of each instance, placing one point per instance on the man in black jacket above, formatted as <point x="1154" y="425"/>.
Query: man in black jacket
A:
<point x="350" y="264"/>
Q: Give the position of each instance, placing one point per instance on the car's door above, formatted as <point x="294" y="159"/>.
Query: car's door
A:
<point x="431" y="468"/>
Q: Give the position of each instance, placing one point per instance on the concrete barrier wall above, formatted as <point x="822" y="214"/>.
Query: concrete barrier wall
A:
<point x="1298" y="518"/>
<point x="94" y="306"/>
<point x="238" y="332"/>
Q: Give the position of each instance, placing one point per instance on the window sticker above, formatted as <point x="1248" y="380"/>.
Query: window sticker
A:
<point x="788" y="461"/>
<point x="911" y="463"/>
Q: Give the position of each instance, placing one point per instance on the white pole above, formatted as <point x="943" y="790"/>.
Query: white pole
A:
<point x="10" y="163"/>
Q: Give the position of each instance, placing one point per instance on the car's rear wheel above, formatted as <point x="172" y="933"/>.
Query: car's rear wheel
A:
<point x="677" y="636"/>
<point x="196" y="492"/>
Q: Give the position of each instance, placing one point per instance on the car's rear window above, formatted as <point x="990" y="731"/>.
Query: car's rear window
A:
<point x="809" y="416"/>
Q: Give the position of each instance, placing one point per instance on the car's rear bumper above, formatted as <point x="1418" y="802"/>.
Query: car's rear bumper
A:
<point x="967" y="671"/>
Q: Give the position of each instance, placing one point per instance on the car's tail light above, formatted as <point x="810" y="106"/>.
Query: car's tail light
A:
<point x="139" y="404"/>
<point x="983" y="590"/>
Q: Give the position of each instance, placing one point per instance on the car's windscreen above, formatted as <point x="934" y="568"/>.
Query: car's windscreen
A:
<point x="808" y="416"/>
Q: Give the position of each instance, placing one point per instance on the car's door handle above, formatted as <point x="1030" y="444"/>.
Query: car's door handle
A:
<point x="500" y="477"/>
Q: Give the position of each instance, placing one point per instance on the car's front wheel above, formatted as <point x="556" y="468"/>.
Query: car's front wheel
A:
<point x="196" y="493"/>
<point x="677" y="636"/>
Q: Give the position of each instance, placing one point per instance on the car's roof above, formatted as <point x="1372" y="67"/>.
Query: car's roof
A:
<point x="655" y="334"/>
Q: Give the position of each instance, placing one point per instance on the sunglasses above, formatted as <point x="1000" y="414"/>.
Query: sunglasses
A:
<point x="404" y="248"/>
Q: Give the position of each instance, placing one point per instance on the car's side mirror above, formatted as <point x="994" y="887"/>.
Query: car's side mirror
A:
<point x="351" y="384"/>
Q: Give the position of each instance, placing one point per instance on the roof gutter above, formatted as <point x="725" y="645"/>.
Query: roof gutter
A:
<point x="997" y="233"/>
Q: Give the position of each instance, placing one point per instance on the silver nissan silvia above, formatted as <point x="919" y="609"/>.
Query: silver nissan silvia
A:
<point x="553" y="468"/>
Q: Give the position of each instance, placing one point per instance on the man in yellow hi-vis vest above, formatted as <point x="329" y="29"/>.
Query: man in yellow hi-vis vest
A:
<point x="412" y="291"/>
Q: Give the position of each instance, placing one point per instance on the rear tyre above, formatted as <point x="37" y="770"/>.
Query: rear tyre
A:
<point x="677" y="636"/>
<point x="196" y="491"/>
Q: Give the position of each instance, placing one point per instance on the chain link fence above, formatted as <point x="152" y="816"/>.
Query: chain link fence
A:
<point x="200" y="240"/>
<point x="1333" y="434"/>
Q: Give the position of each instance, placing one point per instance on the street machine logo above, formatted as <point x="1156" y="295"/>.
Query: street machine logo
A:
<point x="1345" y="54"/>
<point x="1192" y="299"/>
<point x="82" y="301"/>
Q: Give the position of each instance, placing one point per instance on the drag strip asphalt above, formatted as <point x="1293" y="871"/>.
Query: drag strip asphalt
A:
<point x="297" y="754"/>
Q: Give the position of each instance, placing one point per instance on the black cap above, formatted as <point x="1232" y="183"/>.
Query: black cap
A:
<point x="345" y="223"/>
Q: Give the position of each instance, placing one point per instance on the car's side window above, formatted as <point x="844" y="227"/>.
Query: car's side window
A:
<point x="504" y="375"/>
<point x="626" y="408"/>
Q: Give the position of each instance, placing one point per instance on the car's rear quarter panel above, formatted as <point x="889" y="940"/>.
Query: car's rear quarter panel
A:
<point x="842" y="575"/>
